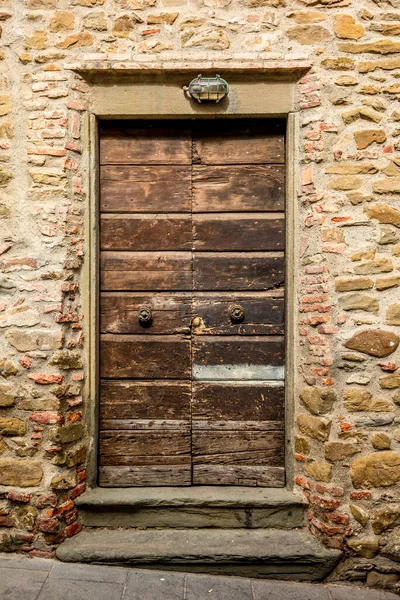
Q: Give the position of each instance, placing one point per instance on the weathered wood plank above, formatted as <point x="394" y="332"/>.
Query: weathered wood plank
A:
<point x="145" y="232"/>
<point x="233" y="402"/>
<point x="255" y="232"/>
<point x="238" y="358"/>
<point x="144" y="443"/>
<point x="119" y="313"/>
<point x="145" y="143"/>
<point x="145" y="400"/>
<point x="146" y="271"/>
<point x="237" y="271"/>
<point x="244" y="142"/>
<point x="238" y="189"/>
<point x="238" y="447"/>
<point x="264" y="314"/>
<point x="145" y="189"/>
<point x="261" y="476"/>
<point x="145" y="476"/>
<point x="136" y="357"/>
<point x="146" y="424"/>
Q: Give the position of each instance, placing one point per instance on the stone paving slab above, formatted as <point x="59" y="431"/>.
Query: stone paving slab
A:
<point x="37" y="579"/>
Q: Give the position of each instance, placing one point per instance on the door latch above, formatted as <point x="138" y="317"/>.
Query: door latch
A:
<point x="145" y="315"/>
<point x="236" y="313"/>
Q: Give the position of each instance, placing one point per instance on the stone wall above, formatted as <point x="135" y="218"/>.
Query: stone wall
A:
<point x="347" y="459"/>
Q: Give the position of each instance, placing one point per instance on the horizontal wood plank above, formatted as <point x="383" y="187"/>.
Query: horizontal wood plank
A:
<point x="233" y="402"/>
<point x="146" y="271"/>
<point x="144" y="443"/>
<point x="237" y="271"/>
<point x="250" y="188"/>
<point x="154" y="233"/>
<point x="145" y="400"/>
<point x="171" y="313"/>
<point x="149" y="143"/>
<point x="252" y="476"/>
<point x="241" y="142"/>
<point x="238" y="358"/>
<point x="155" y="189"/>
<point x="238" y="232"/>
<point x="159" y="475"/>
<point x="264" y="315"/>
<point x="146" y="424"/>
<point x="135" y="357"/>
<point x="238" y="447"/>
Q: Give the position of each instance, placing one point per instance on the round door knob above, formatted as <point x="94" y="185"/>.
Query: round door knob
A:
<point x="236" y="313"/>
<point x="144" y="315"/>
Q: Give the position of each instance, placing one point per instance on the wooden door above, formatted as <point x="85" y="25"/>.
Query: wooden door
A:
<point x="192" y="227"/>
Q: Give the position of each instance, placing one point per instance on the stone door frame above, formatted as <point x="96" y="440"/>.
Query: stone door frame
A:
<point x="160" y="96"/>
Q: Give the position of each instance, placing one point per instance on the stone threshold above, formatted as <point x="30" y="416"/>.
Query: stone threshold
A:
<point x="192" y="507"/>
<point x="290" y="68"/>
<point x="266" y="553"/>
<point x="209" y="496"/>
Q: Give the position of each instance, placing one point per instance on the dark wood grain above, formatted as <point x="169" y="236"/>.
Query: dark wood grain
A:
<point x="145" y="400"/>
<point x="233" y="402"/>
<point x="143" y="443"/>
<point x="154" y="233"/>
<point x="237" y="271"/>
<point x="146" y="271"/>
<point x="154" y="189"/>
<point x="151" y="475"/>
<point x="259" y="476"/>
<point x="135" y="357"/>
<point x="119" y="313"/>
<point x="264" y="314"/>
<point x="149" y="143"/>
<point x="251" y="188"/>
<point x="243" y="142"/>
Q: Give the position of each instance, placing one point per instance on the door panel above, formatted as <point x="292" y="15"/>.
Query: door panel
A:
<point x="191" y="224"/>
<point x="172" y="313"/>
<point x="237" y="271"/>
<point x="252" y="188"/>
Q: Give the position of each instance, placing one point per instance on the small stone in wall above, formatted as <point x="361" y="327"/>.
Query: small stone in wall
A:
<point x="218" y="3"/>
<point x="76" y="40"/>
<point x="166" y="18"/>
<point x="35" y="339"/>
<point x="318" y="400"/>
<point x="66" y="434"/>
<point x="375" y="342"/>
<point x="392" y="548"/>
<point x="20" y="473"/>
<point x="25" y="517"/>
<point x="346" y="80"/>
<point x="356" y="400"/>
<point x="385" y="518"/>
<point x="341" y="63"/>
<point x="66" y="359"/>
<point x="379" y="469"/>
<point x="314" y="427"/>
<point x="350" y="284"/>
<point x="363" y="112"/>
<point x="391" y="185"/>
<point x="7" y="368"/>
<point x="390" y="382"/>
<point x="366" y="137"/>
<point x="383" y="212"/>
<point x="393" y="314"/>
<point x="380" y="441"/>
<point x="12" y="426"/>
<point x="96" y="21"/>
<point x="376" y="47"/>
<point x="61" y="21"/>
<point x="379" y="265"/>
<point x="359" y="514"/>
<point x="5" y="176"/>
<point x="345" y="182"/>
<point x="307" y="16"/>
<point x="7" y="395"/>
<point x="367" y="547"/>
<point x="356" y="301"/>
<point x="5" y="105"/>
<point x="213" y="38"/>
<point x="63" y="482"/>
<point x="347" y="28"/>
<point x="319" y="470"/>
<point x="302" y="445"/>
<point x="387" y="235"/>
<point x="309" y="35"/>
<point x="340" y="450"/>
<point x="36" y="41"/>
<point x="384" y="283"/>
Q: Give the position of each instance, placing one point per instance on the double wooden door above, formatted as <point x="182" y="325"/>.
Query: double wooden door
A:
<point x="192" y="238"/>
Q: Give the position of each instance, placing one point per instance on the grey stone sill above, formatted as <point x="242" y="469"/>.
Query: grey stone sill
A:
<point x="209" y="496"/>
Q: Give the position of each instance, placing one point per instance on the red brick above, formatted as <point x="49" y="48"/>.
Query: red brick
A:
<point x="19" y="496"/>
<point x="325" y="503"/>
<point x="361" y="495"/>
<point x="46" y="378"/>
<point x="47" y="525"/>
<point x="78" y="490"/>
<point x="303" y="482"/>
<point x="59" y="510"/>
<point x="333" y="490"/>
<point x="73" y="529"/>
<point x="47" y="418"/>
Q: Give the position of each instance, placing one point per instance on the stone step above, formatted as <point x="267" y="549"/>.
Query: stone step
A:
<point x="202" y="506"/>
<point x="265" y="553"/>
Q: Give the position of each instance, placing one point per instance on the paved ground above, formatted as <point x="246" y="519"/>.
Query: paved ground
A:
<point x="37" y="579"/>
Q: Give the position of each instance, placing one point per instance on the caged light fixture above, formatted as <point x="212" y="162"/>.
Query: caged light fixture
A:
<point x="212" y="89"/>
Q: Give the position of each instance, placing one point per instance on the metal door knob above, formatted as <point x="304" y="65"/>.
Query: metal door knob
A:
<point x="144" y="315"/>
<point x="236" y="312"/>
